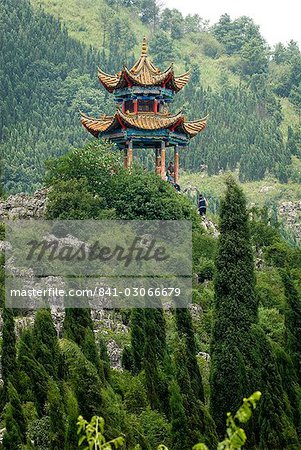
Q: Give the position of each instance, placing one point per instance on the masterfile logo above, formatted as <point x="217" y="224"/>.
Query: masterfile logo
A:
<point x="91" y="263"/>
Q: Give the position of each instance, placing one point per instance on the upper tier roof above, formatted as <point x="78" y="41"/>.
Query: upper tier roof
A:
<point x="143" y="73"/>
<point x="143" y="121"/>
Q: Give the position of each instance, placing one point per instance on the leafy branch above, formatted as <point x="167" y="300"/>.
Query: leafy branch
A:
<point x="93" y="432"/>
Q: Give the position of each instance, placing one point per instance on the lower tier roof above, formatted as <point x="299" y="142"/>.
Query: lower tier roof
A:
<point x="143" y="121"/>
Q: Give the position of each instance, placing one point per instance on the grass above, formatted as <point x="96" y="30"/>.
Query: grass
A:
<point x="83" y="18"/>
<point x="258" y="193"/>
<point x="83" y="21"/>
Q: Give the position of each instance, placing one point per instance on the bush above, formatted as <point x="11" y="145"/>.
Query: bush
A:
<point x="205" y="270"/>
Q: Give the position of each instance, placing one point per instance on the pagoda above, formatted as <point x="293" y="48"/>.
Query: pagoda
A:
<point x="142" y="118"/>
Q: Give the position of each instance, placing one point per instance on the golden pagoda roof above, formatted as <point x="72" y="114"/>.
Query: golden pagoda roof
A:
<point x="195" y="126"/>
<point x="142" y="121"/>
<point x="143" y="73"/>
<point x="146" y="121"/>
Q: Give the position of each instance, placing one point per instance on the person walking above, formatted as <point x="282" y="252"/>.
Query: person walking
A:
<point x="202" y="205"/>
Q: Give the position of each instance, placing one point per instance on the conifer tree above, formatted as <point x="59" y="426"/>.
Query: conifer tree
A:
<point x="8" y="356"/>
<point x="235" y="308"/>
<point x="15" y="434"/>
<point x="242" y="356"/>
<point x="78" y="327"/>
<point x="274" y="424"/>
<point x="137" y="337"/>
<point x="72" y="411"/>
<point x="45" y="342"/>
<point x="186" y="333"/>
<point x="192" y="405"/>
<point x="55" y="411"/>
<point x="179" y="425"/>
<point x="32" y="370"/>
<point x="155" y="362"/>
<point x="293" y="322"/>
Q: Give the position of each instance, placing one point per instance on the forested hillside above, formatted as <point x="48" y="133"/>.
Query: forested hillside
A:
<point x="251" y="92"/>
<point x="45" y="78"/>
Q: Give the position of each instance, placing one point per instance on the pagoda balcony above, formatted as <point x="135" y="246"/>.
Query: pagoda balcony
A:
<point x="136" y="92"/>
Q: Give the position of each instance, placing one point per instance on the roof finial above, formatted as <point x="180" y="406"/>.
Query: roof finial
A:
<point x="144" y="47"/>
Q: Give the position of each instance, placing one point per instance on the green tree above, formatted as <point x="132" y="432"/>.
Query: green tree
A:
<point x="72" y="199"/>
<point x="192" y="405"/>
<point x="72" y="413"/>
<point x="34" y="376"/>
<point x="172" y="20"/>
<point x="162" y="49"/>
<point x="45" y="342"/>
<point x="15" y="433"/>
<point x="83" y="378"/>
<point x="179" y="423"/>
<point x="293" y="322"/>
<point x="78" y="327"/>
<point x="254" y="57"/>
<point x="56" y="413"/>
<point x="104" y="357"/>
<point x="155" y="360"/>
<point x="186" y="333"/>
<point x="137" y="337"/>
<point x="8" y="354"/>
<point x="235" y="307"/>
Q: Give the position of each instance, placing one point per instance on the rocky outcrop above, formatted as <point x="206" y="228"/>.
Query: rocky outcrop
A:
<point x="210" y="227"/>
<point x="290" y="212"/>
<point x="105" y="322"/>
<point x="24" y="206"/>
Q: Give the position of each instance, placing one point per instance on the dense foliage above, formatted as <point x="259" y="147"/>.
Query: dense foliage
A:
<point x="166" y="387"/>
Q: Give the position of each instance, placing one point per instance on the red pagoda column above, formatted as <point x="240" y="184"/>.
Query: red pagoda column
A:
<point x="176" y="163"/>
<point x="125" y="158"/>
<point x="163" y="169"/>
<point x="130" y="153"/>
<point x="135" y="106"/>
<point x="158" y="165"/>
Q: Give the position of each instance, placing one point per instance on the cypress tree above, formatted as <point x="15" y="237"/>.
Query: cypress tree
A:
<point x="179" y="425"/>
<point x="193" y="406"/>
<point x="55" y="411"/>
<point x="273" y="424"/>
<point x="235" y="307"/>
<point x="72" y="411"/>
<point x="155" y="361"/>
<point x="45" y="343"/>
<point x="8" y="356"/>
<point x="137" y="337"/>
<point x="78" y="327"/>
<point x="15" y="424"/>
<point x="186" y="333"/>
<point x="293" y="322"/>
<point x="34" y="371"/>
<point x="242" y="359"/>
<point x="76" y="321"/>
<point x="83" y="378"/>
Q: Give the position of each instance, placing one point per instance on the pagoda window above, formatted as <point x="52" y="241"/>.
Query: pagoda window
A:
<point x="146" y="105"/>
<point x="129" y="106"/>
